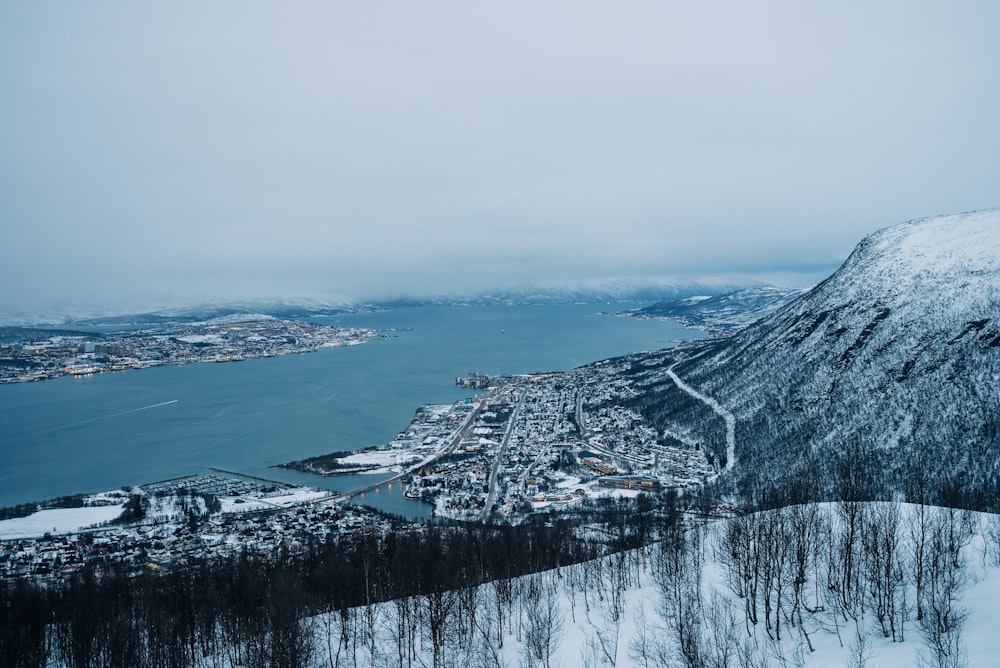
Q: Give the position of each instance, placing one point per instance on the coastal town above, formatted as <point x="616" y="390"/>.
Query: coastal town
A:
<point x="177" y="522"/>
<point x="541" y="442"/>
<point x="518" y="445"/>
<point x="38" y="354"/>
<point x="530" y="443"/>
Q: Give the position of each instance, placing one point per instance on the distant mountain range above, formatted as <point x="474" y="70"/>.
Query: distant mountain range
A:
<point x="722" y="313"/>
<point x="886" y="375"/>
<point x="108" y="317"/>
<point x="608" y="292"/>
<point x="635" y="290"/>
<point x="272" y="308"/>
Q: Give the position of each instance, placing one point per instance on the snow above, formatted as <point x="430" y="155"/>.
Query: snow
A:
<point x="237" y="318"/>
<point x="200" y="338"/>
<point x="57" y="521"/>
<point x="567" y="482"/>
<point x="613" y="492"/>
<point x="899" y="348"/>
<point x="584" y="617"/>
<point x="945" y="244"/>
<point x="380" y="458"/>
<point x="73" y="520"/>
<point x="728" y="417"/>
<point x="235" y="504"/>
<point x="957" y="254"/>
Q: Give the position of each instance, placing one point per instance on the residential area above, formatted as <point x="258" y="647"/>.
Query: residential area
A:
<point x="37" y="354"/>
<point x="541" y="441"/>
<point x="185" y="522"/>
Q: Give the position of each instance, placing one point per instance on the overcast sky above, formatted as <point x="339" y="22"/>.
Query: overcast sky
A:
<point x="174" y="150"/>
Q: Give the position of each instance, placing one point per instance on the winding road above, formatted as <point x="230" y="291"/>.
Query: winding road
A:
<point x="719" y="410"/>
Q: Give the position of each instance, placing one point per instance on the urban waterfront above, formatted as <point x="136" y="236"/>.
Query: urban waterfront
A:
<point x="101" y="432"/>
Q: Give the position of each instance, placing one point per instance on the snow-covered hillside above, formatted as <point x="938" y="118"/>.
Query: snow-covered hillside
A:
<point x="894" y="359"/>
<point x="827" y="591"/>
<point x="723" y="313"/>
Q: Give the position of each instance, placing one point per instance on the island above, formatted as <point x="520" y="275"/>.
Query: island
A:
<point x="32" y="354"/>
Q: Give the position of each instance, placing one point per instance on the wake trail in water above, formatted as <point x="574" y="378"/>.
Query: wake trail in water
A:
<point x="73" y="425"/>
<point x="134" y="410"/>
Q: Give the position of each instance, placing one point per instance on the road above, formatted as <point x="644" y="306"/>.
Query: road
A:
<point x="501" y="451"/>
<point x="450" y="448"/>
<point x="579" y="415"/>
<point x="728" y="417"/>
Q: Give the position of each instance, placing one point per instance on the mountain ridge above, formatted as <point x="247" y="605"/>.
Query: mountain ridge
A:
<point x="890" y="365"/>
<point x="723" y="313"/>
<point x="632" y="290"/>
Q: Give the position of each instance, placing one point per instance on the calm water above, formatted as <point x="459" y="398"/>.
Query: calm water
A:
<point x="88" y="434"/>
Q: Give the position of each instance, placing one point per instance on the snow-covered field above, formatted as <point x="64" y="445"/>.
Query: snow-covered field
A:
<point x="232" y="504"/>
<point x="106" y="506"/>
<point x="57" y="521"/>
<point x="386" y="460"/>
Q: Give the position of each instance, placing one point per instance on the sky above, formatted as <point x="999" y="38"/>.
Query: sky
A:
<point x="193" y="151"/>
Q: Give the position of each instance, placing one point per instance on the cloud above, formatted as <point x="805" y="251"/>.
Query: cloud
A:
<point x="360" y="148"/>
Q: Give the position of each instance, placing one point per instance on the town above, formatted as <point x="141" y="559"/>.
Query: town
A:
<point x="528" y="444"/>
<point x="34" y="354"/>
<point x="179" y="522"/>
<point x="539" y="442"/>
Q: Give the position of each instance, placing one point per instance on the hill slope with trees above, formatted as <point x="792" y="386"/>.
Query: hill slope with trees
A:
<point x="890" y="366"/>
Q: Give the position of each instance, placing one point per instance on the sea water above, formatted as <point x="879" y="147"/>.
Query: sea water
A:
<point x="72" y="435"/>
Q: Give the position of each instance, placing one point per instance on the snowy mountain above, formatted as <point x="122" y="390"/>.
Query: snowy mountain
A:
<point x="888" y="369"/>
<point x="722" y="313"/>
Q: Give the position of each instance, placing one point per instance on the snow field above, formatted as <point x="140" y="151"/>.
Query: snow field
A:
<point x="57" y="521"/>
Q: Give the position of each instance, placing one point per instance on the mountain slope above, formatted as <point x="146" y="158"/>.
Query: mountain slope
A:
<point x="723" y="313"/>
<point x="889" y="368"/>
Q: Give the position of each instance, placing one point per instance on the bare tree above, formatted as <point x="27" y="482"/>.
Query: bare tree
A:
<point x="487" y="647"/>
<point x="331" y="637"/>
<point x="882" y="565"/>
<point x="401" y="627"/>
<point x="776" y="543"/>
<point x="950" y="531"/>
<point x="853" y="489"/>
<point x="848" y="555"/>
<point x="544" y="626"/>
<point x="438" y="607"/>
<point x="860" y="650"/>
<point x="647" y="647"/>
<point x="805" y="528"/>
<point x="991" y="542"/>
<point x="607" y="630"/>
<point x="503" y="599"/>
<point x="741" y="554"/>
<point x="677" y="572"/>
<point x="919" y="532"/>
